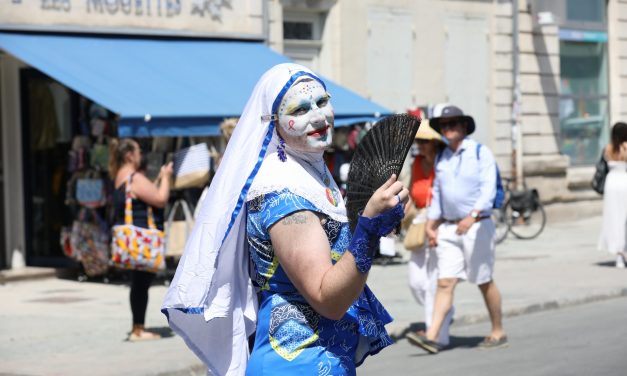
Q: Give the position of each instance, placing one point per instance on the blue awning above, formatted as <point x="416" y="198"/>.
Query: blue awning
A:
<point x="166" y="87"/>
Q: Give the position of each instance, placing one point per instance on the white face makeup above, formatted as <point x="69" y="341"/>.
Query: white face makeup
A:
<point x="306" y="116"/>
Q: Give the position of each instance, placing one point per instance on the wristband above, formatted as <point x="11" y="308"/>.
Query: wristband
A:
<point x="367" y="233"/>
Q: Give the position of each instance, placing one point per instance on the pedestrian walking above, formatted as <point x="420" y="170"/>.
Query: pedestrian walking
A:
<point x="423" y="261"/>
<point x="148" y="201"/>
<point x="614" y="225"/>
<point x="459" y="223"/>
<point x="273" y="190"/>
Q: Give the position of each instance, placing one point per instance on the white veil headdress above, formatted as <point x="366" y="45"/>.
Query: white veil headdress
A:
<point x="211" y="302"/>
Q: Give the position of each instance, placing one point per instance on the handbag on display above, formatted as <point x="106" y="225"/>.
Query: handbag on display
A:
<point x="598" y="180"/>
<point x="191" y="167"/>
<point x="90" y="192"/>
<point x="387" y="246"/>
<point x="89" y="243"/>
<point x="177" y="231"/>
<point x="65" y="240"/>
<point x="98" y="127"/>
<point x="417" y="231"/>
<point x="99" y="157"/>
<point x="137" y="248"/>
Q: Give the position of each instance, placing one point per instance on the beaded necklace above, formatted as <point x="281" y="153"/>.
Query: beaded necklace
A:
<point x="323" y="174"/>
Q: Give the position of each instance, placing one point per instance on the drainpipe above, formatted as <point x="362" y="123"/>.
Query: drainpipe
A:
<point x="517" y="163"/>
<point x="266" y="22"/>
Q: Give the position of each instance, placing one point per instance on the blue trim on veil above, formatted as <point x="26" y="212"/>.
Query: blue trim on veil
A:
<point x="264" y="147"/>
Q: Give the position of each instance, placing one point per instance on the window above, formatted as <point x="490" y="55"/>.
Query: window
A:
<point x="583" y="106"/>
<point x="586" y="10"/>
<point x="302" y="34"/>
<point x="298" y="30"/>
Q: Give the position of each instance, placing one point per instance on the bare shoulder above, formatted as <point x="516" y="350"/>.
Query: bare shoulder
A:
<point x="623" y="151"/>
<point x="140" y="178"/>
<point x="140" y="182"/>
<point x="607" y="152"/>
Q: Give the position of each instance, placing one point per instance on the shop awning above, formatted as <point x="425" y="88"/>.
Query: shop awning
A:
<point x="165" y="87"/>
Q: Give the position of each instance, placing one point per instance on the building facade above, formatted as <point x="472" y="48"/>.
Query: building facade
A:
<point x="406" y="54"/>
<point x="76" y="73"/>
<point x="403" y="54"/>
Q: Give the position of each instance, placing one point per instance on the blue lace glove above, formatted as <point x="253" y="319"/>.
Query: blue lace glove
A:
<point x="367" y="234"/>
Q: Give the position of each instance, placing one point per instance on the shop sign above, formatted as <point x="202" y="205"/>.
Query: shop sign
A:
<point x="224" y="18"/>
<point x="583" y="35"/>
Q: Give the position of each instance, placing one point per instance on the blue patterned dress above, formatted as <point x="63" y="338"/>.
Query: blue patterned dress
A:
<point x="292" y="338"/>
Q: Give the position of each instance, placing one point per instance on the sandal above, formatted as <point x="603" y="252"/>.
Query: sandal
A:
<point x="493" y="343"/>
<point x="429" y="346"/>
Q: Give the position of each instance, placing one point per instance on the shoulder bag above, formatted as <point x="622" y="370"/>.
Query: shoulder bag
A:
<point x="137" y="248"/>
<point x="598" y="180"/>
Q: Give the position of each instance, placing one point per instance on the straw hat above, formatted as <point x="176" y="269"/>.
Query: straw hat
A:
<point x="425" y="132"/>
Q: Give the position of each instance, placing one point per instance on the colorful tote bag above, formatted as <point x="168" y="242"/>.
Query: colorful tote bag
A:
<point x="137" y="248"/>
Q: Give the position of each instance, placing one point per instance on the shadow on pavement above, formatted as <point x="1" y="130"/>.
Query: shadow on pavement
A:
<point x="464" y="342"/>
<point x="163" y="331"/>
<point x="610" y="264"/>
<point x="413" y="327"/>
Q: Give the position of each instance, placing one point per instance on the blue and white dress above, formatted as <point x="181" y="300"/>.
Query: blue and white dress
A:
<point x="292" y="338"/>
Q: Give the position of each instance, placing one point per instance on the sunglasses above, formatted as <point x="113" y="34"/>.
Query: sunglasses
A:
<point x="451" y="124"/>
<point x="420" y="141"/>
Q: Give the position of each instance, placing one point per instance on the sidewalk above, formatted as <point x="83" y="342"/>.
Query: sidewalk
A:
<point x="561" y="267"/>
<point x="63" y="327"/>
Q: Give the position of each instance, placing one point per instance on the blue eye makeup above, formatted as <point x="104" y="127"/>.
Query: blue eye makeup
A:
<point x="301" y="108"/>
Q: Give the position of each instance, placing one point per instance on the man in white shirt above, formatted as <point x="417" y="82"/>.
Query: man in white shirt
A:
<point x="459" y="223"/>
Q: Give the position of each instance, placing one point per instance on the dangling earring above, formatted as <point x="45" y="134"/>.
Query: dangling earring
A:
<point x="281" y="149"/>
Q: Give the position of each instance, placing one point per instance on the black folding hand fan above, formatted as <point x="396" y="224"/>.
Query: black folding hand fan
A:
<point x="379" y="154"/>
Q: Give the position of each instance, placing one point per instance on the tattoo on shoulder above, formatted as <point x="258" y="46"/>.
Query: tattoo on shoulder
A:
<point x="295" y="219"/>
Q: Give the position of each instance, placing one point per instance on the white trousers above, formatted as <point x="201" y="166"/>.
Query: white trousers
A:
<point x="423" y="282"/>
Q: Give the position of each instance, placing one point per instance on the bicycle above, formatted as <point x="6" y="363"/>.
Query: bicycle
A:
<point x="522" y="213"/>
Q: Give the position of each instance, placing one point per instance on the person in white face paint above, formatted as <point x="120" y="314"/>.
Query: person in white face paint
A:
<point x="274" y="200"/>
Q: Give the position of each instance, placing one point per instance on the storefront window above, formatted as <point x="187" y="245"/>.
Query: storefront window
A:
<point x="586" y="10"/>
<point x="583" y="100"/>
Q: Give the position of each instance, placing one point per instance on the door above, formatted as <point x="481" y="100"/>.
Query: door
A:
<point x="390" y="57"/>
<point x="466" y="67"/>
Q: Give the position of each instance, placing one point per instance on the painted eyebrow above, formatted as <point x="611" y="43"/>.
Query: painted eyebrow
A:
<point x="324" y="96"/>
<point x="295" y="106"/>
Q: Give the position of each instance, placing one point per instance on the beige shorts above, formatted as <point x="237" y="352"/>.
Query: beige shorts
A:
<point x="469" y="256"/>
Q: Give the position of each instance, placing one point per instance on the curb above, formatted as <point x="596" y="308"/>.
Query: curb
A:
<point x="26" y="274"/>
<point x="398" y="330"/>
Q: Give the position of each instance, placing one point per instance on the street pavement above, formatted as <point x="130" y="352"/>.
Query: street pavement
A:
<point x="582" y="340"/>
<point x="64" y="327"/>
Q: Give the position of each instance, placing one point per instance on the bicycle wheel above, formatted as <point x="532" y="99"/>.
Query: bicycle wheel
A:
<point x="500" y="224"/>
<point x="526" y="223"/>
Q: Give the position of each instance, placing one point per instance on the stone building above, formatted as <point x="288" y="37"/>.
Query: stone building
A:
<point x="408" y="53"/>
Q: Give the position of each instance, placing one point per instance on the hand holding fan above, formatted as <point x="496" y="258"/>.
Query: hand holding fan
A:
<point x="380" y="154"/>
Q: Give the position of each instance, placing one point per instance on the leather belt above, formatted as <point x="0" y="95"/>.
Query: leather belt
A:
<point x="456" y="221"/>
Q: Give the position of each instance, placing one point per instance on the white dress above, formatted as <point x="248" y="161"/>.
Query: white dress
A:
<point x="614" y="229"/>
